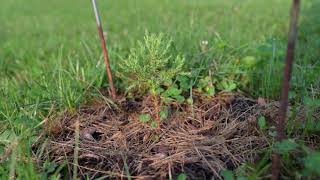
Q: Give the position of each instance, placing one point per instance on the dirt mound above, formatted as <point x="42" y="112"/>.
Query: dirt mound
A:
<point x="200" y="140"/>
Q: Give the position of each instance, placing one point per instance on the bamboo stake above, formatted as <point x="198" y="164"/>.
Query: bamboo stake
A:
<point x="105" y="50"/>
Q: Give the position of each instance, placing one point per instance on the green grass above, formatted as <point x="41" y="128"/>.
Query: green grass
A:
<point x="50" y="56"/>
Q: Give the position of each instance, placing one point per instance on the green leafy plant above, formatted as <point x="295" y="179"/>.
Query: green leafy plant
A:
<point x="253" y="171"/>
<point x="145" y="118"/>
<point x="205" y="85"/>
<point x="164" y="113"/>
<point x="312" y="124"/>
<point x="154" y="124"/>
<point x="227" y="85"/>
<point x="182" y="176"/>
<point x="311" y="164"/>
<point x="227" y="175"/>
<point x="262" y="122"/>
<point x="173" y="94"/>
<point x="286" y="146"/>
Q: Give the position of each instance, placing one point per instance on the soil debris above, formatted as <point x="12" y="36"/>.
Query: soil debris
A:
<point x="201" y="140"/>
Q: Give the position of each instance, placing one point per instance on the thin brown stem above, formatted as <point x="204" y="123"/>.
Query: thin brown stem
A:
<point x="107" y="62"/>
<point x="157" y="109"/>
<point x="281" y="125"/>
<point x="105" y="50"/>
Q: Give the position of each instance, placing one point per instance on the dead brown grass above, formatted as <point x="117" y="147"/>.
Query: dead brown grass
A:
<point x="216" y="134"/>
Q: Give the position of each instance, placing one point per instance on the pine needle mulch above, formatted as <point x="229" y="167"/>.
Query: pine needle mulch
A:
<point x="201" y="140"/>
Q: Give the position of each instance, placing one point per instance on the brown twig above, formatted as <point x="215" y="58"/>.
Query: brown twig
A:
<point x="76" y="150"/>
<point x="105" y="50"/>
<point x="281" y="125"/>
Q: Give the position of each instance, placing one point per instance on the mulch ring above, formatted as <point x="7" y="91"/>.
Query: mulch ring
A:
<point x="215" y="134"/>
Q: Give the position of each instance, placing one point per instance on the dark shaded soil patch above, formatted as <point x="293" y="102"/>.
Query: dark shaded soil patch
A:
<point x="215" y="134"/>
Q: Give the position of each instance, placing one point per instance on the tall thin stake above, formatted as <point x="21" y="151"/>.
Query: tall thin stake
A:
<point x="105" y="50"/>
<point x="281" y="125"/>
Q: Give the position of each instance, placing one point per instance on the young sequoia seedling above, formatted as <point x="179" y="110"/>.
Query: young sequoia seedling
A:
<point x="149" y="68"/>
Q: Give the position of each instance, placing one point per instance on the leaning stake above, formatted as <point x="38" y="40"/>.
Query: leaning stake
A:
<point x="281" y="125"/>
<point x="105" y="50"/>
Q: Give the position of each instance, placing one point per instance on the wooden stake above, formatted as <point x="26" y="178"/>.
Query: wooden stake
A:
<point x="281" y="125"/>
<point x="105" y="50"/>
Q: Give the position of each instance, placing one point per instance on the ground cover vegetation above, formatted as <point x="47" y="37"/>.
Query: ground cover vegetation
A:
<point x="210" y="69"/>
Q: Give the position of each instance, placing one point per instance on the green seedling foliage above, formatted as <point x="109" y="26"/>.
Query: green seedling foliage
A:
<point x="211" y="91"/>
<point x="227" y="85"/>
<point x="154" y="124"/>
<point x="182" y="176"/>
<point x="312" y="125"/>
<point x="164" y="113"/>
<point x="184" y="82"/>
<point x="286" y="146"/>
<point x="49" y="167"/>
<point x="227" y="175"/>
<point x="205" y="85"/>
<point x="145" y="118"/>
<point x="190" y="101"/>
<point x="262" y="122"/>
<point x="311" y="164"/>
<point x="173" y="94"/>
<point x="249" y="62"/>
<point x="242" y="178"/>
<point x="150" y="65"/>
<point x="204" y="82"/>
<point x="255" y="171"/>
